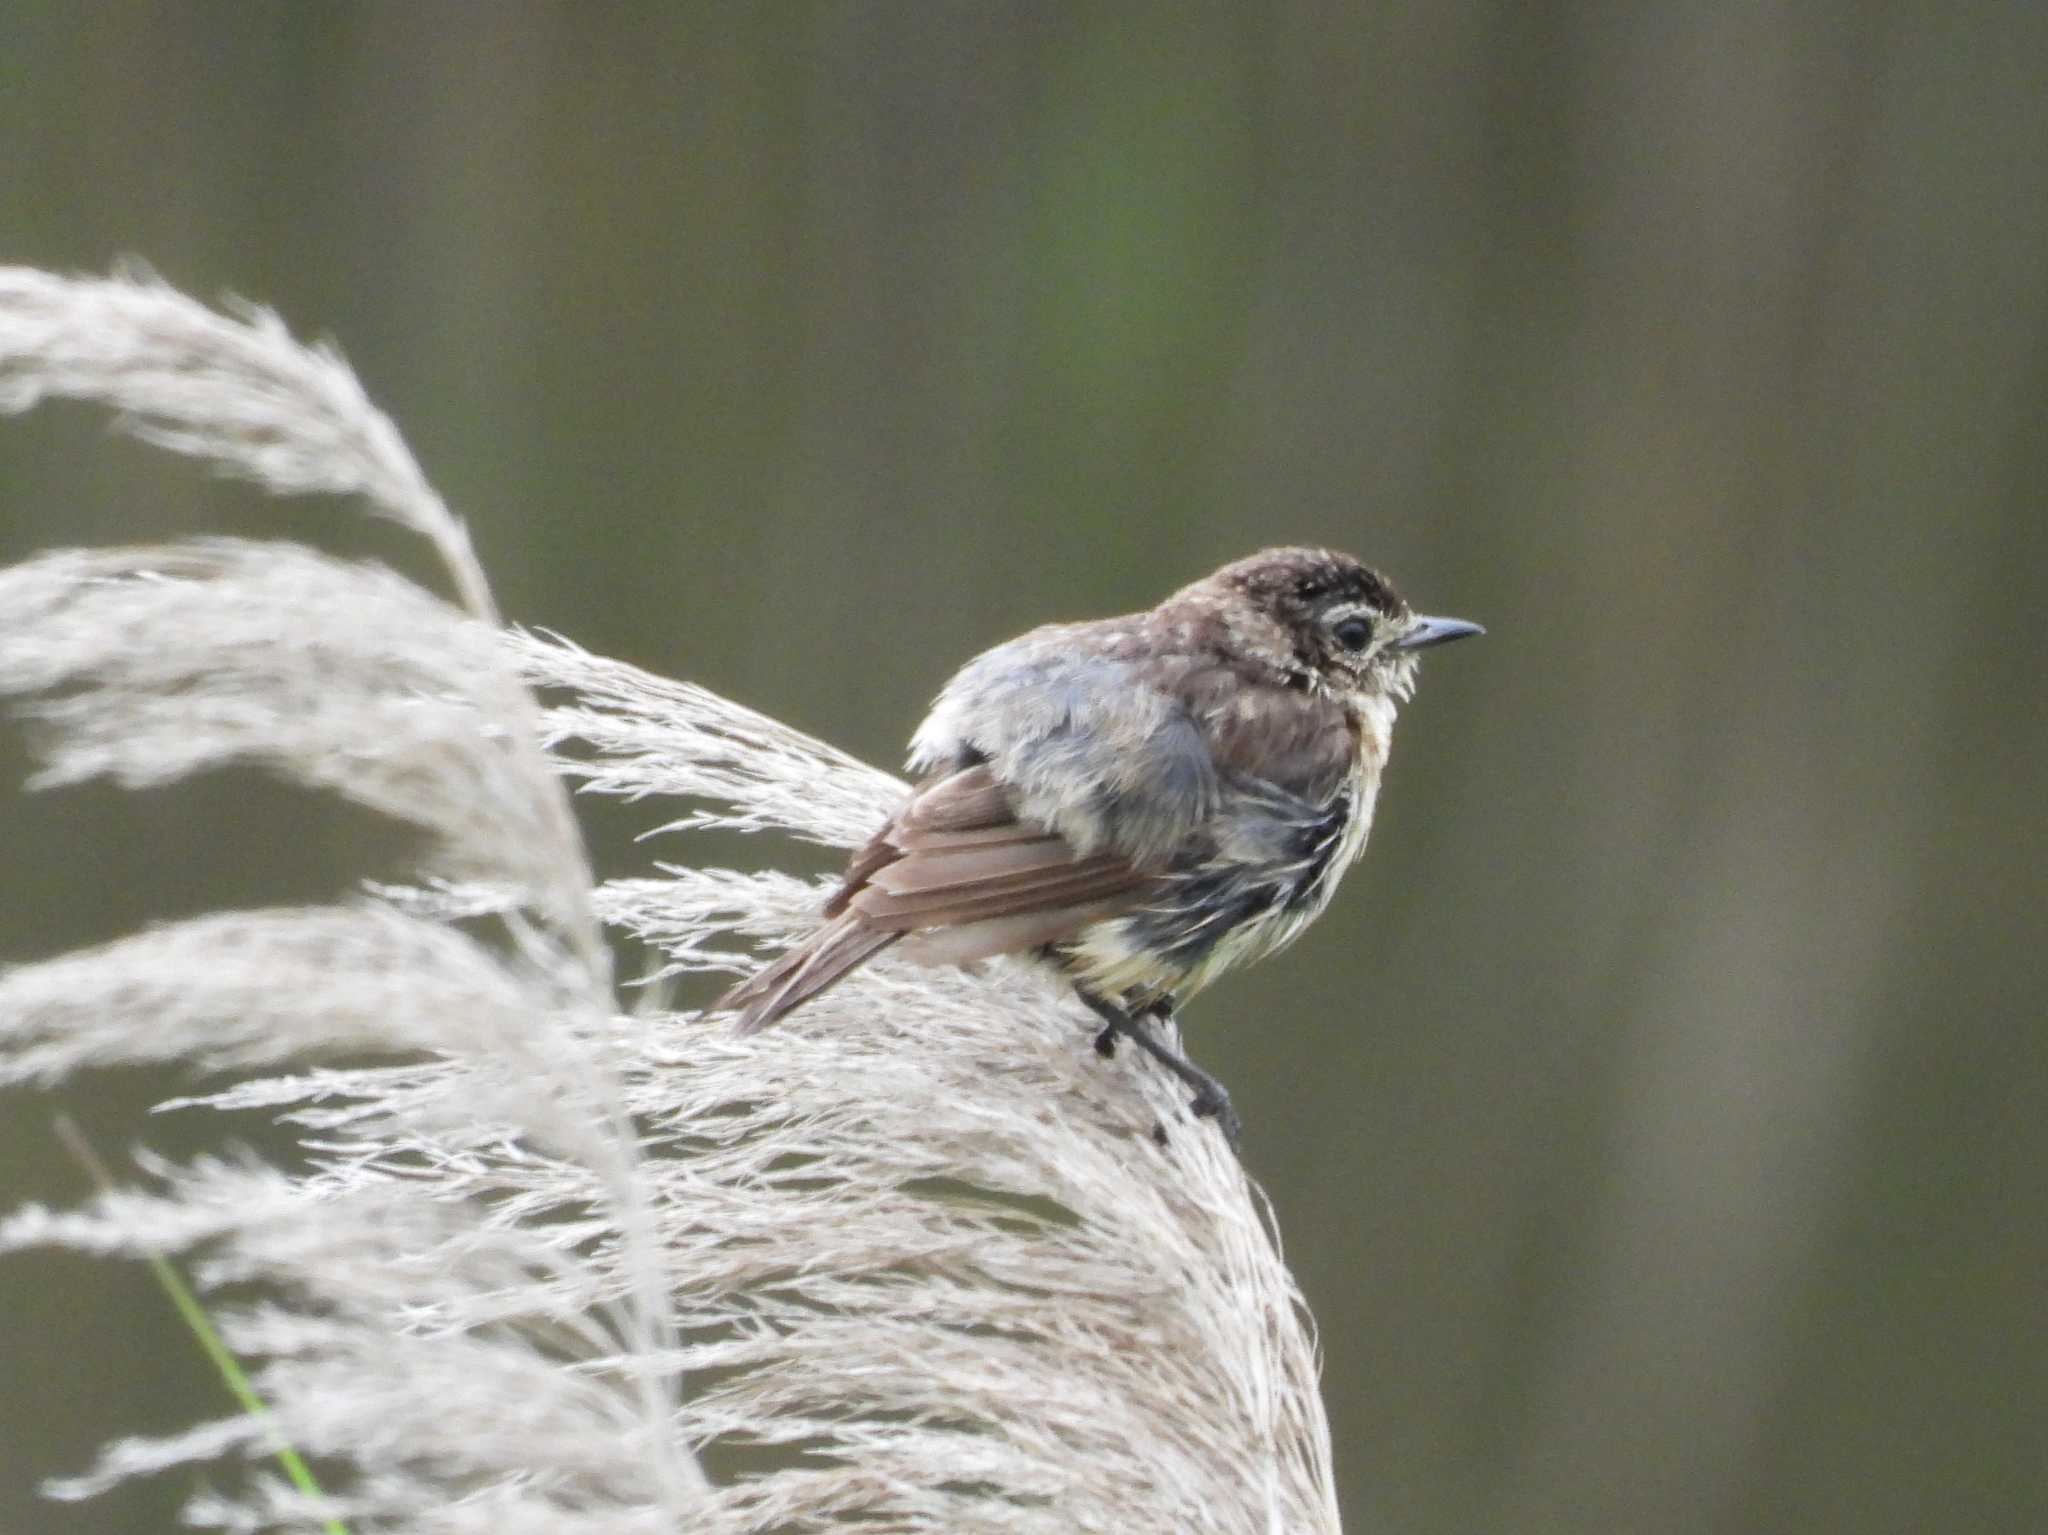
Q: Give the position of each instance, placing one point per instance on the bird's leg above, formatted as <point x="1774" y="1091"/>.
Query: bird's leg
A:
<point x="1212" y="1099"/>
<point x="1116" y="1020"/>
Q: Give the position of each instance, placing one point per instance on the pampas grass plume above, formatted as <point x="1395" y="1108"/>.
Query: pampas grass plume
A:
<point x="914" y="1261"/>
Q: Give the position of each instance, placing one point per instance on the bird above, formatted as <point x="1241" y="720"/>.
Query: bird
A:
<point x="1142" y="802"/>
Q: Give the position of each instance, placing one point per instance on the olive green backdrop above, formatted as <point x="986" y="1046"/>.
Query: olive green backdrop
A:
<point x="1658" y="1122"/>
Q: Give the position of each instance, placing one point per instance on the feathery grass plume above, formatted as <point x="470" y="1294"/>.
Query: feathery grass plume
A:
<point x="925" y="1235"/>
<point x="234" y="389"/>
<point x="913" y="1260"/>
<point x="470" y="1305"/>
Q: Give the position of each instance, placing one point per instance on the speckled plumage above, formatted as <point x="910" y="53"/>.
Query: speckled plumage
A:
<point x="1147" y="800"/>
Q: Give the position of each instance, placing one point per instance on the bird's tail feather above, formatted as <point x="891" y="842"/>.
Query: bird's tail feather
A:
<point x="819" y="962"/>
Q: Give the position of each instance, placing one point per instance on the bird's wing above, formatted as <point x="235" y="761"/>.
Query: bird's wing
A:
<point x="958" y="869"/>
<point x="958" y="853"/>
<point x="1086" y="735"/>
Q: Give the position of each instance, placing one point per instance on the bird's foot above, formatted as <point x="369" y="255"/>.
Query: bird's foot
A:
<point x="1211" y="1100"/>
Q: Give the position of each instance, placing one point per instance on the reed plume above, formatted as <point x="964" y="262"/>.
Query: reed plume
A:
<point x="915" y="1260"/>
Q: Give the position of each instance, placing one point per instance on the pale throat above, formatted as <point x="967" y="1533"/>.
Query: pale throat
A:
<point x="1374" y="713"/>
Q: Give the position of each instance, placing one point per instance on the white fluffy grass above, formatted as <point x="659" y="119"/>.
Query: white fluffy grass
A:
<point x="912" y="1261"/>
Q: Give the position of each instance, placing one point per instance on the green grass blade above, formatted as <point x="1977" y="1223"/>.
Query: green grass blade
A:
<point x="201" y="1325"/>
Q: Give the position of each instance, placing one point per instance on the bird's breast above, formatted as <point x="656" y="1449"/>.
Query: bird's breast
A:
<point x="1269" y="872"/>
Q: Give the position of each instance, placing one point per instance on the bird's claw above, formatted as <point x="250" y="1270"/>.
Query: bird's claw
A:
<point x="1214" y="1103"/>
<point x="1211" y="1100"/>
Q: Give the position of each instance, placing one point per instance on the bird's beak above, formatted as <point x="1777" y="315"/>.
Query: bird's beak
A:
<point x="1425" y="632"/>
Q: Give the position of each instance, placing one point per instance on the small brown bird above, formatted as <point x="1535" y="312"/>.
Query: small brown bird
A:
<point x="1143" y="801"/>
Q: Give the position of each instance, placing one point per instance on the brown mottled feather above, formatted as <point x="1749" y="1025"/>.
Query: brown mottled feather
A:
<point x="1255" y="724"/>
<point x="953" y="857"/>
<point x="925" y="869"/>
<point x="1305" y="746"/>
<point x="1056" y="885"/>
<point x="961" y="809"/>
<point x="821" y="960"/>
<point x="963" y="801"/>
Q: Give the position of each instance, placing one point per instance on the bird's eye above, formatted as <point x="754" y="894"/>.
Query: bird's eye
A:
<point x="1354" y="633"/>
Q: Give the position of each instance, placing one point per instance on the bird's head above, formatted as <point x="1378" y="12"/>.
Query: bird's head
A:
<point x="1333" y="622"/>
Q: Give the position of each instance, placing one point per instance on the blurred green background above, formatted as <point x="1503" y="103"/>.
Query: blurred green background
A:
<point x="1658" y="1122"/>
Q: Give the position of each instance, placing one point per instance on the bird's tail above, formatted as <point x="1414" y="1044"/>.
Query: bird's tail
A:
<point x="820" y="961"/>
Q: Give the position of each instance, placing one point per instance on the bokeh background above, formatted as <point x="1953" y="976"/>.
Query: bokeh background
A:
<point x="1659" y="1121"/>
